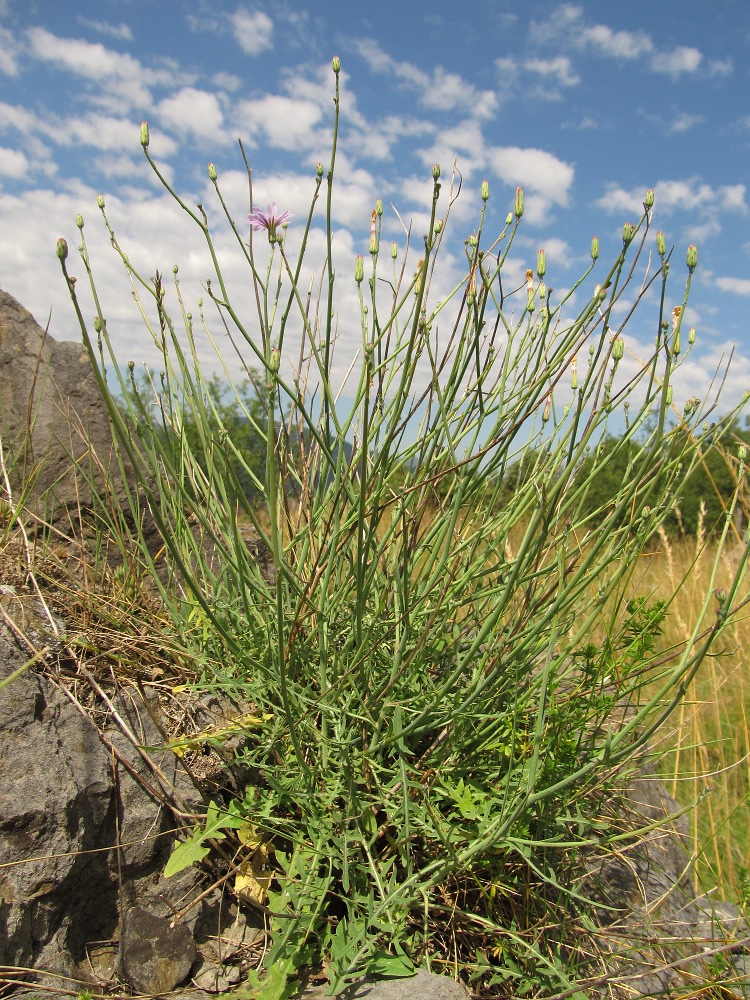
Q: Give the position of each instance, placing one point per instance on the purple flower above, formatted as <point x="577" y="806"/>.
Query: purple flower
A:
<point x="268" y="220"/>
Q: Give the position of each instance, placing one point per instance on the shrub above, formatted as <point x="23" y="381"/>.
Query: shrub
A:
<point x="451" y="683"/>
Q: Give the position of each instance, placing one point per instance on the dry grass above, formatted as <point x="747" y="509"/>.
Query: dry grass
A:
<point x="706" y="745"/>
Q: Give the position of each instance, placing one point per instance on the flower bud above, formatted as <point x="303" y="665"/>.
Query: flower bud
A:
<point x="175" y="269"/>
<point x="574" y="374"/>
<point x="336" y="65"/>
<point x="379" y="207"/>
<point x="359" y="268"/>
<point x="541" y="264"/>
<point x="668" y="395"/>
<point x="62" y="249"/>
<point x="100" y="201"/>
<point x="692" y="257"/>
<point x="518" y="208"/>
<point x="542" y="291"/>
<point x="648" y="201"/>
<point x="485" y="190"/>
<point x="472" y="241"/>
<point x="742" y="452"/>
<point x="211" y="172"/>
<point x="508" y="218"/>
<point x="721" y="595"/>
<point x="436" y="171"/>
<point x="628" y="232"/>
<point x="274" y="360"/>
<point x="595" y="248"/>
<point x="394" y="250"/>
<point x="144" y="134"/>
<point x="661" y="245"/>
<point x="691" y="336"/>
<point x="99" y="326"/>
<point x="79" y="221"/>
<point x="438" y="226"/>
<point x="547" y="409"/>
<point x="318" y="169"/>
<point x="618" y="347"/>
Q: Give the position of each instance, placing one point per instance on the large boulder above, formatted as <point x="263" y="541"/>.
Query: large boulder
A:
<point x="53" y="422"/>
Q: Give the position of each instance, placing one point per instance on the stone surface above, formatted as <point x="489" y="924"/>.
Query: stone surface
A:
<point x="52" y="417"/>
<point x="155" y="956"/>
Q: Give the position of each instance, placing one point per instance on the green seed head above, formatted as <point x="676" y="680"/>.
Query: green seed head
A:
<point x="144" y="134"/>
<point x="518" y="207"/>
<point x="595" y="248"/>
<point x="62" y="248"/>
<point x="648" y="201"/>
<point x="485" y="190"/>
<point x="541" y="264"/>
<point x="211" y="172"/>
<point x="336" y="65"/>
<point x="692" y="257"/>
<point x="661" y="244"/>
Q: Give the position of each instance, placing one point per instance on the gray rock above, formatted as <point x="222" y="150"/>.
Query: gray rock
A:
<point x="422" y="986"/>
<point x="154" y="955"/>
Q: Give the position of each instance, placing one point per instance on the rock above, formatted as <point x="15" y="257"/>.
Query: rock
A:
<point x="52" y="417"/>
<point x="155" y="956"/>
<point x="423" y="986"/>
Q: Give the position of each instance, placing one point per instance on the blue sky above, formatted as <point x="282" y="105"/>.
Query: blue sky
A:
<point x="586" y="104"/>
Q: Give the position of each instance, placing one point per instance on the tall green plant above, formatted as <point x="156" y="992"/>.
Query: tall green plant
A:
<point x="441" y="724"/>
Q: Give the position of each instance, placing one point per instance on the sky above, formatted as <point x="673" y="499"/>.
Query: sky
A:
<point x="587" y="105"/>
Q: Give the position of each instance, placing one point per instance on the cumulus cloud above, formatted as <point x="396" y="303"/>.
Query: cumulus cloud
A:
<point x="194" y="112"/>
<point x="737" y="286"/>
<point x="672" y="195"/>
<point x="559" y="70"/>
<point x="683" y="59"/>
<point x="13" y="163"/>
<point x="438" y="89"/>
<point x="253" y="30"/>
<point x="546" y="177"/>
<point x="8" y="53"/>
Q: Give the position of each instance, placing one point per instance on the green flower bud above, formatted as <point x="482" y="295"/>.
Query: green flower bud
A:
<point x="379" y="207"/>
<point x="175" y="269"/>
<point x="595" y="248"/>
<point x="692" y="257"/>
<point x="336" y="65"/>
<point x="574" y="374"/>
<point x="742" y="452"/>
<point x="100" y="201"/>
<point x="394" y="250"/>
<point x="359" y="268"/>
<point x="99" y="324"/>
<point x="691" y="336"/>
<point x="438" y="226"/>
<point x="62" y="249"/>
<point x="79" y="221"/>
<point x="318" y="169"/>
<point x="628" y="232"/>
<point x="547" y="409"/>
<point x="436" y="171"/>
<point x="508" y="218"/>
<point x="485" y="190"/>
<point x="661" y="245"/>
<point x="669" y="395"/>
<point x="542" y="291"/>
<point x="211" y="172"/>
<point x="541" y="264"/>
<point x="618" y="347"/>
<point x="274" y="360"/>
<point x="144" y="134"/>
<point x="721" y="595"/>
<point x="472" y="241"/>
<point x="648" y="201"/>
<point x="518" y="208"/>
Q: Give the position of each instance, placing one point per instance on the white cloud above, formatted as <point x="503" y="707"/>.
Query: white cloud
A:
<point x="13" y="163"/>
<point x="738" y="286"/>
<point x="194" y="112"/>
<point x="438" y="90"/>
<point x="721" y="67"/>
<point x="8" y="53"/>
<point x="558" y="70"/>
<point x="685" y="121"/>
<point x="286" y="123"/>
<point x="253" y="30"/>
<point x="618" y="44"/>
<point x="535" y="170"/>
<point x="683" y="59"/>
<point x="226" y="81"/>
<point x="120" y="31"/>
<point x="673" y="195"/>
